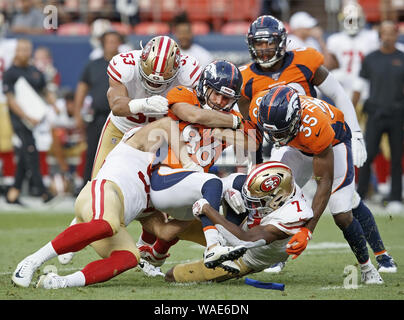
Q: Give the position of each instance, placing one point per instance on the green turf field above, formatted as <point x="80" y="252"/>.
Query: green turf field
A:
<point x="317" y="274"/>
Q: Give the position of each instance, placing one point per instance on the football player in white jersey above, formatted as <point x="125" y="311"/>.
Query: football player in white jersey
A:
<point x="348" y="47"/>
<point x="139" y="80"/>
<point x="105" y="206"/>
<point x="347" y="50"/>
<point x="7" y="51"/>
<point x="276" y="210"/>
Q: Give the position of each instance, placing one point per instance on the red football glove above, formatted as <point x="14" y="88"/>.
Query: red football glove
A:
<point x="298" y="242"/>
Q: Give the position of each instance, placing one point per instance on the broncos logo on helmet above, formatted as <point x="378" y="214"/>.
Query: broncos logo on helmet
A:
<point x="267" y="187"/>
<point x="225" y="79"/>
<point x="279" y="115"/>
<point x="267" y="29"/>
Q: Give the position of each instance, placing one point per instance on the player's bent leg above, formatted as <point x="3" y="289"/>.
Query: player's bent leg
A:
<point x="194" y="233"/>
<point x="110" y="137"/>
<point x="197" y="272"/>
<point x="95" y="272"/>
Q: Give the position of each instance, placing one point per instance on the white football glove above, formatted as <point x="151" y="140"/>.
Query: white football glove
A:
<point x="197" y="207"/>
<point x="359" y="153"/>
<point x="193" y="167"/>
<point x="154" y="104"/>
<point x="235" y="200"/>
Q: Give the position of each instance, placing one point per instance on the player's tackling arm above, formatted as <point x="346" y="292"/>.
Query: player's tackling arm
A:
<point x="268" y="232"/>
<point x="151" y="137"/>
<point x="323" y="174"/>
<point x="118" y="99"/>
<point x="209" y="118"/>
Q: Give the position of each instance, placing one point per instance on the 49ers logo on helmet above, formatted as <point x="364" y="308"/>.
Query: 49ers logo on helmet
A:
<point x="270" y="183"/>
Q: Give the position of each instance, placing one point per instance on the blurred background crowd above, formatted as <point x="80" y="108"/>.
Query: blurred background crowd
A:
<point x="68" y="42"/>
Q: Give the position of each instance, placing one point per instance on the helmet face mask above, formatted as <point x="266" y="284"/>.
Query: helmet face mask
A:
<point x="266" y="40"/>
<point x="159" y="64"/>
<point x="219" y="86"/>
<point x="267" y="188"/>
<point x="280" y="115"/>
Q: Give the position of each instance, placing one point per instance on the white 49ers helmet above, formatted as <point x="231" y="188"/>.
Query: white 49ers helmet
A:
<point x="159" y="63"/>
<point x="352" y="18"/>
<point x="267" y="187"/>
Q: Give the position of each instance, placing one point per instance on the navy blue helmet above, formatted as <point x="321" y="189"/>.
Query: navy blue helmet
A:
<point x="279" y="115"/>
<point x="223" y="77"/>
<point x="270" y="30"/>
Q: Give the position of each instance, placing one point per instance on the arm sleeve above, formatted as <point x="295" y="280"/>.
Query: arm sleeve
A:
<point x="333" y="89"/>
<point x="8" y="82"/>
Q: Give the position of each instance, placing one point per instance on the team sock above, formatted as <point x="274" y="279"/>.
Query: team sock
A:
<point x="369" y="226"/>
<point x="105" y="269"/>
<point x="161" y="247"/>
<point x="78" y="236"/>
<point x="146" y="239"/>
<point x="356" y="239"/>
<point x="211" y="191"/>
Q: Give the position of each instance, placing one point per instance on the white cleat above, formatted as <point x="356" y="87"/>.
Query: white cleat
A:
<point x="65" y="258"/>
<point x="214" y="256"/>
<point x="149" y="269"/>
<point x="230" y="266"/>
<point x="24" y="272"/>
<point x="371" y="276"/>
<point x="51" y="281"/>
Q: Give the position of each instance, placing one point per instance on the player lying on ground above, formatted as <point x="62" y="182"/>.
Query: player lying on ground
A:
<point x="103" y="209"/>
<point x="218" y="89"/>
<point x="276" y="210"/>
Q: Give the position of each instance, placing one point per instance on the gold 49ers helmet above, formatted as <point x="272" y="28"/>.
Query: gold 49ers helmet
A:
<point x="268" y="187"/>
<point x="159" y="63"/>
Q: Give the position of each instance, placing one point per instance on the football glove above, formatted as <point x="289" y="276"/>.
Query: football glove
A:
<point x="235" y="200"/>
<point x="154" y="104"/>
<point x="298" y="242"/>
<point x="197" y="207"/>
<point x="359" y="153"/>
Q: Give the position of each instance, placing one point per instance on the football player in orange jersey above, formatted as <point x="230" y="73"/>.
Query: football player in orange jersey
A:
<point x="175" y="189"/>
<point x="314" y="140"/>
<point x="303" y="70"/>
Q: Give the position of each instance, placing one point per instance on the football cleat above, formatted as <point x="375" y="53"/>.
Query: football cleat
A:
<point x="65" y="258"/>
<point x="386" y="264"/>
<point x="214" y="256"/>
<point x="146" y="253"/>
<point x="371" y="276"/>
<point x="24" y="272"/>
<point x="51" y="281"/>
<point x="230" y="266"/>
<point x="276" y="267"/>
<point x="149" y="269"/>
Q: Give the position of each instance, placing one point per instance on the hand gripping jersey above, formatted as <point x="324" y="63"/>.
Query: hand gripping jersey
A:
<point x="349" y="52"/>
<point x="202" y="147"/>
<point x="298" y="69"/>
<point x="124" y="68"/>
<point x="288" y="218"/>
<point x="322" y="124"/>
<point x="129" y="168"/>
